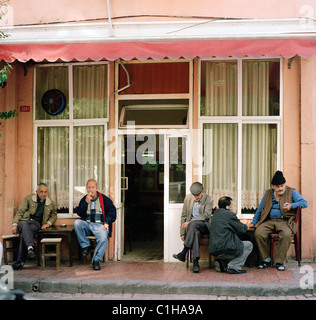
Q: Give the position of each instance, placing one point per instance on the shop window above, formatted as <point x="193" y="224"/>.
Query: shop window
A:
<point x="240" y="114"/>
<point x="71" y="143"/>
<point x="144" y="116"/>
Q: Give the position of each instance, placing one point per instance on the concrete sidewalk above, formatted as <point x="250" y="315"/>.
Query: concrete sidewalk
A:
<point x="118" y="277"/>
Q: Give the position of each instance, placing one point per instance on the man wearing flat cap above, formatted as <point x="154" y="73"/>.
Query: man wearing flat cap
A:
<point x="276" y="213"/>
<point x="195" y="220"/>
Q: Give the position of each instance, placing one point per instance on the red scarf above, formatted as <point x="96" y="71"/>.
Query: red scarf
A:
<point x="102" y="205"/>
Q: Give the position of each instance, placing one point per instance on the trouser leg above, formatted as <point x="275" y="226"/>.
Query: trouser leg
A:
<point x="82" y="229"/>
<point x="239" y="261"/>
<point x="101" y="236"/>
<point x="285" y="239"/>
<point x="26" y="229"/>
<point x="192" y="240"/>
<point x="262" y="238"/>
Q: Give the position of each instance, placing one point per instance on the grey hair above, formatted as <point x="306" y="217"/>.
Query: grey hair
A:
<point x="92" y="180"/>
<point x="42" y="184"/>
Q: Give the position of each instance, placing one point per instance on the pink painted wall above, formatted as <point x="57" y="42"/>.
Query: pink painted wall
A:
<point x="15" y="145"/>
<point x="36" y="11"/>
<point x="308" y="153"/>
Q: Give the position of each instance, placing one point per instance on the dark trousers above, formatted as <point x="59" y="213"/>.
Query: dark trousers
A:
<point x="26" y="229"/>
<point x="195" y="231"/>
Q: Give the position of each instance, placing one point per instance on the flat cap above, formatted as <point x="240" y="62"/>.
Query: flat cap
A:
<point x="196" y="188"/>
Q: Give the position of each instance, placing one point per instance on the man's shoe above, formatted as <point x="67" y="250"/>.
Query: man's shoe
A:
<point x="30" y="254"/>
<point x="85" y="251"/>
<point x="96" y="265"/>
<point x="196" y="267"/>
<point x="180" y="257"/>
<point x="219" y="266"/>
<point x="280" y="267"/>
<point x="234" y="271"/>
<point x="18" y="265"/>
<point x="264" y="265"/>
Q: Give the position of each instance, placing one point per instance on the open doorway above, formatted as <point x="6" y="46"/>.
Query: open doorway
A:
<point x="143" y="198"/>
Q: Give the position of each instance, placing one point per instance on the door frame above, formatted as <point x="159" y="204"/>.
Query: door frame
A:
<point x="172" y="211"/>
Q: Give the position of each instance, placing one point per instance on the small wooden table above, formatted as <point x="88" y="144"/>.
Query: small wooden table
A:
<point x="59" y="231"/>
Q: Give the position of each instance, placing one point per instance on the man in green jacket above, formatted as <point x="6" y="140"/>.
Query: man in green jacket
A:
<point x="37" y="211"/>
<point x="225" y="244"/>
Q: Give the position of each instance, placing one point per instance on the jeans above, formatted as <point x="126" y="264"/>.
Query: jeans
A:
<point x="84" y="229"/>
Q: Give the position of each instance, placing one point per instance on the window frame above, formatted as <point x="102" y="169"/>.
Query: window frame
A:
<point x="240" y="119"/>
<point x="71" y="123"/>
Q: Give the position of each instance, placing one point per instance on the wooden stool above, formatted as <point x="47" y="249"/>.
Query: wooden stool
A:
<point x="6" y="248"/>
<point x="49" y="242"/>
<point x="93" y="243"/>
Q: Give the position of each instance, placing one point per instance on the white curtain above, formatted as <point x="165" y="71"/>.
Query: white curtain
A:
<point x="220" y="140"/>
<point x="53" y="163"/>
<point x="220" y="160"/>
<point x="90" y="91"/>
<point x="221" y="89"/>
<point x="89" y="160"/>
<point x="259" y="158"/>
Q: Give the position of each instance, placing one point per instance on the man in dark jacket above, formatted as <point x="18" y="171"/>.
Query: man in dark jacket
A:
<point x="97" y="213"/>
<point x="225" y="244"/>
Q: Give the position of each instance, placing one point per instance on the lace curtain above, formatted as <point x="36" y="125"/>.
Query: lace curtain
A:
<point x="259" y="140"/>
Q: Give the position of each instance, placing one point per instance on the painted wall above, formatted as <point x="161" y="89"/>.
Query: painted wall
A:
<point x="34" y="12"/>
<point x="16" y="144"/>
<point x="308" y="153"/>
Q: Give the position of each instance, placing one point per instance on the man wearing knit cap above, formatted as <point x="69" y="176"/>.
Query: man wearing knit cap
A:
<point x="276" y="213"/>
<point x="195" y="219"/>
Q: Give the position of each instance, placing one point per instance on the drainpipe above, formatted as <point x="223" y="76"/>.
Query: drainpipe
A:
<point x="119" y="60"/>
<point x="127" y="75"/>
<point x="109" y="17"/>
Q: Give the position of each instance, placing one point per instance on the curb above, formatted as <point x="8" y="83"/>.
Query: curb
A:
<point x="157" y="287"/>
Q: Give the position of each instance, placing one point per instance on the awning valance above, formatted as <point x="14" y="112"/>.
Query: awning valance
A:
<point x="158" y="50"/>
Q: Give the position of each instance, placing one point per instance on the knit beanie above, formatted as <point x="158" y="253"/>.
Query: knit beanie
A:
<point x="278" y="179"/>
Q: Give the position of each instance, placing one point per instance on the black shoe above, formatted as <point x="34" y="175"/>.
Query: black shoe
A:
<point x="196" y="267"/>
<point x="280" y="267"/>
<point x="180" y="257"/>
<point x="31" y="254"/>
<point x="220" y="266"/>
<point x="85" y="251"/>
<point x="234" y="271"/>
<point x="96" y="265"/>
<point x="264" y="265"/>
<point x="18" y="265"/>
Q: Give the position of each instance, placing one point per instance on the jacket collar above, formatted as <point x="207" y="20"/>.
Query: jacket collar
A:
<point x="34" y="198"/>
